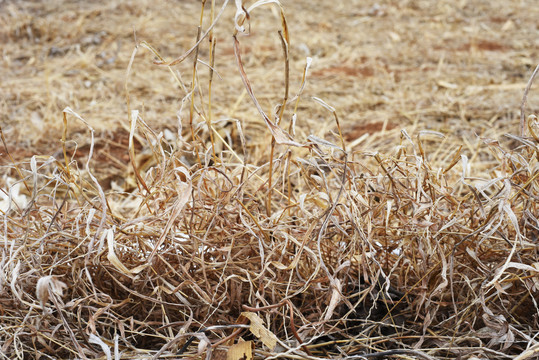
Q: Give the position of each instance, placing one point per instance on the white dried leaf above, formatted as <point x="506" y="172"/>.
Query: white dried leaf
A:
<point x="14" y="276"/>
<point x="464" y="168"/>
<point x="322" y="142"/>
<point x="335" y="299"/>
<point x="13" y="196"/>
<point x="431" y="132"/>
<point x="95" y="340"/>
<point x="42" y="290"/>
<point x="47" y="284"/>
<point x="111" y="256"/>
<point x="202" y="345"/>
<point x="324" y="104"/>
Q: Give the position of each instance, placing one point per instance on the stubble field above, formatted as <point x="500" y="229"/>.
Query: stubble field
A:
<point x="313" y="180"/>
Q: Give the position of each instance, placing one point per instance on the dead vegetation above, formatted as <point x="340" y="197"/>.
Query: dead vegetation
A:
<point x="244" y="211"/>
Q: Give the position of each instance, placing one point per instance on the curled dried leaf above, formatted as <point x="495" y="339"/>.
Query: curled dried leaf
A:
<point x="47" y="284"/>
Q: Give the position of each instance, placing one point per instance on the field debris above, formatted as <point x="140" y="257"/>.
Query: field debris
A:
<point x="242" y="212"/>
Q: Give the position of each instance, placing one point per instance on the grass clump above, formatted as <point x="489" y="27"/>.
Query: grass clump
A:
<point x="305" y="247"/>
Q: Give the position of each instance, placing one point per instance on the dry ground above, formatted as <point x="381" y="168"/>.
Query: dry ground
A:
<point x="441" y="65"/>
<point x="390" y="69"/>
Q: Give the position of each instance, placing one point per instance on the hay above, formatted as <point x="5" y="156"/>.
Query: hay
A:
<point x="232" y="197"/>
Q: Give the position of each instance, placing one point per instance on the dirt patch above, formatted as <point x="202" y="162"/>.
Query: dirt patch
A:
<point x="361" y="71"/>
<point x="370" y="128"/>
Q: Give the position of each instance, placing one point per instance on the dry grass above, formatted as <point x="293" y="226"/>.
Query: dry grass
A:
<point x="369" y="206"/>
